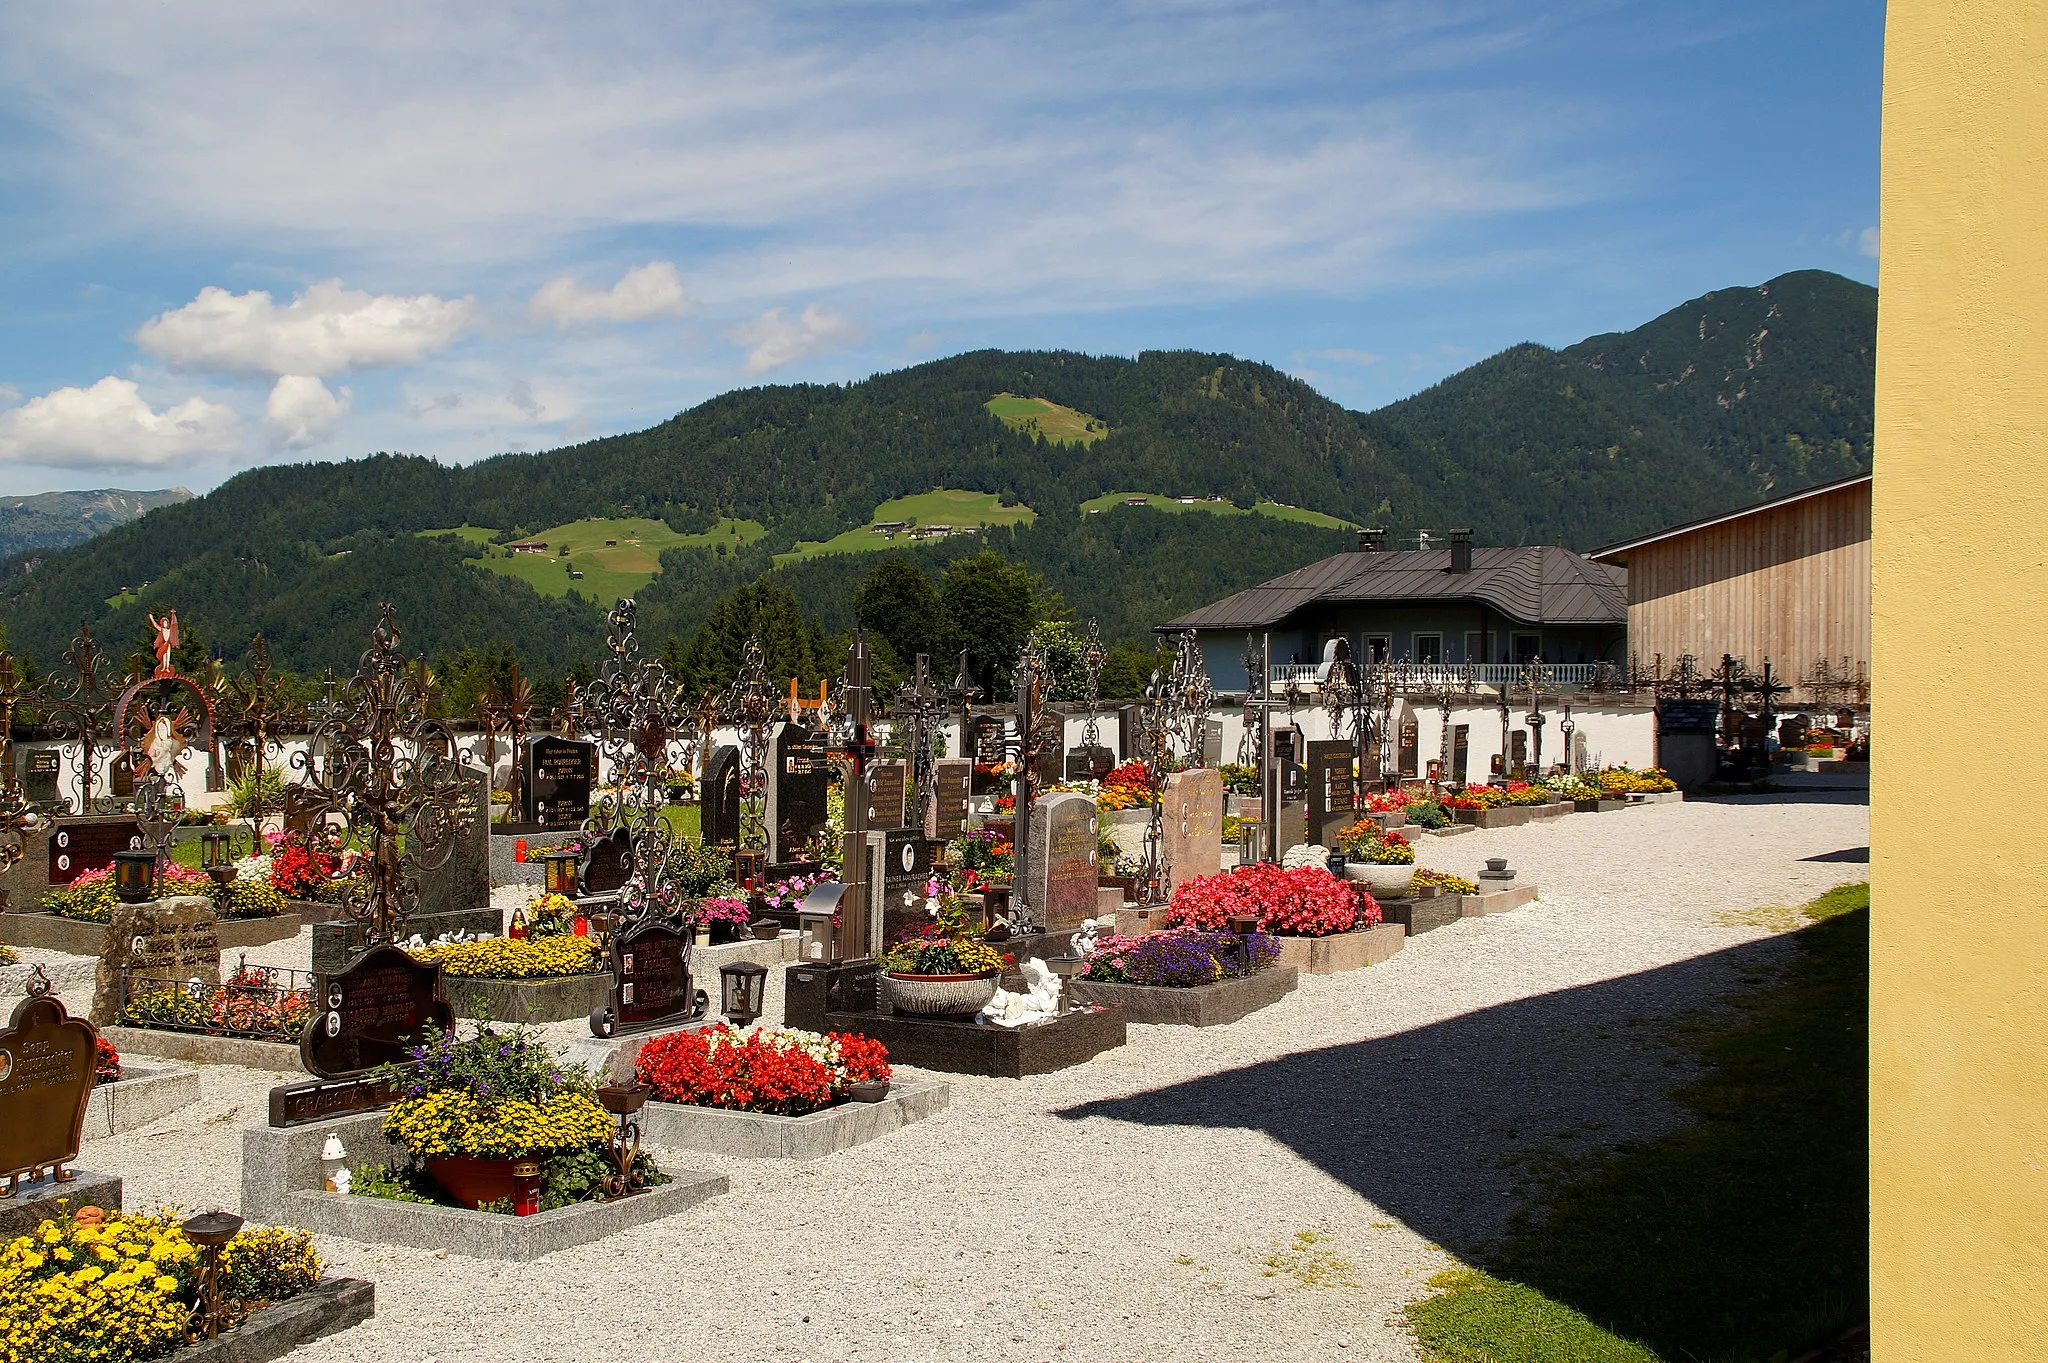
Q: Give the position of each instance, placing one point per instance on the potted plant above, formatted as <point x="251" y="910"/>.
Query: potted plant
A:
<point x="1380" y="857"/>
<point x="943" y="968"/>
<point x="487" y="1114"/>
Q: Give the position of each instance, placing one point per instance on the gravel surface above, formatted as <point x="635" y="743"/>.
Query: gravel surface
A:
<point x="1128" y="1209"/>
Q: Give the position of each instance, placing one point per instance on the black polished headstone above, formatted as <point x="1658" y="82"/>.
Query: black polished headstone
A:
<point x="799" y="779"/>
<point x="650" y="976"/>
<point x="1090" y="762"/>
<point x="372" y="1012"/>
<point x="559" y="775"/>
<point x="607" y="863"/>
<point x="39" y="777"/>
<point x="720" y="798"/>
<point x="1330" y="790"/>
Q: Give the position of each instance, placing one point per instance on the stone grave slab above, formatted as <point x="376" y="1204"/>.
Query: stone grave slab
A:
<point x="1192" y="824"/>
<point x="174" y="940"/>
<point x="799" y="777"/>
<point x="886" y="795"/>
<point x="1330" y="791"/>
<point x="463" y="881"/>
<point x="372" y="1012"/>
<point x="954" y="776"/>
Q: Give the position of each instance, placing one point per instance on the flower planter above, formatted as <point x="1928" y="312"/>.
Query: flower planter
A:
<point x="762" y="1135"/>
<point x="327" y="1307"/>
<point x="942" y="995"/>
<point x="562" y="999"/>
<point x="1381" y="880"/>
<point x="76" y="937"/>
<point x="1207" y="1005"/>
<point x="1555" y="809"/>
<point x="473" y="1181"/>
<point x="1342" y="950"/>
<point x="1507" y="816"/>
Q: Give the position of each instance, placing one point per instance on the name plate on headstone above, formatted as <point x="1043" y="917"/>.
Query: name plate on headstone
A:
<point x="953" y="776"/>
<point x="47" y="1063"/>
<point x="559" y="775"/>
<point x="76" y="848"/>
<point x="317" y="1100"/>
<point x="169" y="941"/>
<point x="371" y="1013"/>
<point x="885" y="795"/>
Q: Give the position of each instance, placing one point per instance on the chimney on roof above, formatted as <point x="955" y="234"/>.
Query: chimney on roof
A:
<point x="1461" y="551"/>
<point x="1372" y="541"/>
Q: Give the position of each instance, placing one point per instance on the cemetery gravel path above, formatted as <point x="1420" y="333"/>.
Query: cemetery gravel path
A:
<point x="1125" y="1210"/>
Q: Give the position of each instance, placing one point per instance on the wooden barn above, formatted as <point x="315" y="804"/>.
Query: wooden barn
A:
<point x="1786" y="580"/>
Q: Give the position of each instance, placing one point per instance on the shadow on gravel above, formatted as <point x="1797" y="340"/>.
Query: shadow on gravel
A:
<point x="1835" y="795"/>
<point x="1423" y="1123"/>
<point x="1859" y="856"/>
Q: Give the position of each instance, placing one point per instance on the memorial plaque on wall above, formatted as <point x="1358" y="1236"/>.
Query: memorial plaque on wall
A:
<point x="650" y="976"/>
<point x="721" y="797"/>
<point x="372" y="1012"/>
<point x="78" y="847"/>
<point x="799" y="779"/>
<point x="559" y="775"/>
<point x="39" y="777"/>
<point x="886" y="795"/>
<point x="46" y="1079"/>
<point x="953" y="775"/>
<point x="1331" y="790"/>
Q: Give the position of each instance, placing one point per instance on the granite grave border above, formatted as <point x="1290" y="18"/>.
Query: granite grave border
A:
<point x="761" y="1135"/>
<point x="1206" y="1005"/>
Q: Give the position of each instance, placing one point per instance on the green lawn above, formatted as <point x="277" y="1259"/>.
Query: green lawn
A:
<point x="942" y="506"/>
<point x="1277" y="510"/>
<point x="1060" y="425"/>
<point x="609" y="571"/>
<point x="1739" y="1238"/>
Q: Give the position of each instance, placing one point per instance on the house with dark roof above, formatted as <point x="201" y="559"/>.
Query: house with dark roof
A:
<point x="1496" y="607"/>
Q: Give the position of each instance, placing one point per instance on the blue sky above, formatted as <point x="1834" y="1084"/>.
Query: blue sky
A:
<point x="236" y="235"/>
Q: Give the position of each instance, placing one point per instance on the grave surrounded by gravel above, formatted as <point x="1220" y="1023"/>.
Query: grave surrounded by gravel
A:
<point x="1127" y="1209"/>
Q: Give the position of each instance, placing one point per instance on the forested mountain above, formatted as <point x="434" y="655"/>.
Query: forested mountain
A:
<point x="53" y="520"/>
<point x="1733" y="395"/>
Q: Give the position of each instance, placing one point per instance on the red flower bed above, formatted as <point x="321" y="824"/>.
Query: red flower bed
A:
<point x="1307" y="901"/>
<point x="296" y="869"/>
<point x="768" y="1069"/>
<point x="106" y="1062"/>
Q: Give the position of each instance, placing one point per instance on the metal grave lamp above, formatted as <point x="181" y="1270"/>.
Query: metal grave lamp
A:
<point x="210" y="1231"/>
<point x="558" y="870"/>
<point x="814" y="916"/>
<point x="742" y="990"/>
<point x="135" y="875"/>
<point x="216" y="856"/>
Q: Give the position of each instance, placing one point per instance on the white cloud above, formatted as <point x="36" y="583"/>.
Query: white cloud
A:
<point x="302" y="412"/>
<point x="111" y="425"/>
<point x="778" y="341"/>
<point x="325" y="330"/>
<point x="650" y="290"/>
<point x="1866" y="242"/>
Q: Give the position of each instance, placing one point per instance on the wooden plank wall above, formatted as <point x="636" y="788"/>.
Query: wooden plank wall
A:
<point x="1791" y="584"/>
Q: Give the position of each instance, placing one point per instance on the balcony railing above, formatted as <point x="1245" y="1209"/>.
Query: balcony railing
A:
<point x="1430" y="676"/>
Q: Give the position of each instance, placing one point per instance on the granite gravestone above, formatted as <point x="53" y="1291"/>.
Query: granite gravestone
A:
<point x="1411" y="746"/>
<point x="463" y="881"/>
<point x="720" y="807"/>
<point x="800" y="771"/>
<point x="47" y="1064"/>
<point x="1331" y="794"/>
<point x="886" y="795"/>
<point x="372" y="1012"/>
<point x="39" y="777"/>
<point x="1059" y="865"/>
<point x="80" y="845"/>
<point x="950" y="816"/>
<point x="1191" y="818"/>
<point x="650" y="979"/>
<point x="559" y="775"/>
<point x="900" y="862"/>
<point x="607" y="863"/>
<point x="989" y="735"/>
<point x="157" y="944"/>
<point x="1212" y="742"/>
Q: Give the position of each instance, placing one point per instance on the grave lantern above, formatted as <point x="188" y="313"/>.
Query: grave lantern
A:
<point x="215" y="858"/>
<point x="559" y="872"/>
<point x="210" y="1231"/>
<point x="135" y="875"/>
<point x="815" y="915"/>
<point x="742" y="987"/>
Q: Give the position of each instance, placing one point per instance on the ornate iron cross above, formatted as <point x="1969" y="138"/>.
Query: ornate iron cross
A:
<point x="918" y="708"/>
<point x="83" y="701"/>
<point x="749" y="705"/>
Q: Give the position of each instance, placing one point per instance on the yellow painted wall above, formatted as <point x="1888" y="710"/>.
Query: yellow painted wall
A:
<point x="1959" y="952"/>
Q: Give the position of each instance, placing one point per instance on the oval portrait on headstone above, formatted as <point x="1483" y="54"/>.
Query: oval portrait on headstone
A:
<point x="909" y="857"/>
<point x="63" y="840"/>
<point x="6" y="1065"/>
<point x="334" y="1024"/>
<point x="63" y="862"/>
